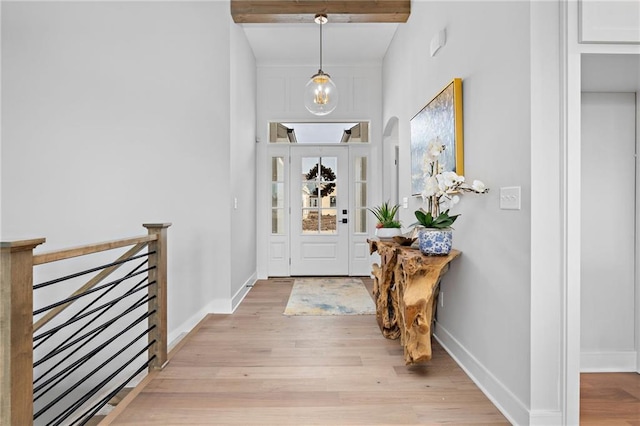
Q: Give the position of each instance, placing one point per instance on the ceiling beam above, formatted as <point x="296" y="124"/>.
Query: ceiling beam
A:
<point x="303" y="11"/>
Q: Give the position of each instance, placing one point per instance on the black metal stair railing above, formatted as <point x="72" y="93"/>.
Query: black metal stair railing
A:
<point x="88" y="346"/>
<point x="74" y="351"/>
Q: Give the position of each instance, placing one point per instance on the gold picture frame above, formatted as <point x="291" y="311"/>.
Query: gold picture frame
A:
<point x="440" y="117"/>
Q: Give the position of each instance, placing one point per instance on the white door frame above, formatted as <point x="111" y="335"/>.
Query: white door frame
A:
<point x="571" y="52"/>
<point x="278" y="244"/>
<point x="637" y="268"/>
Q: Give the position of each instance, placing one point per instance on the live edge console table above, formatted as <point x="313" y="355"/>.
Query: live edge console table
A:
<point x="406" y="287"/>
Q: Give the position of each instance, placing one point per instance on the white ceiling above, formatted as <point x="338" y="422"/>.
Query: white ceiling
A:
<point x="299" y="44"/>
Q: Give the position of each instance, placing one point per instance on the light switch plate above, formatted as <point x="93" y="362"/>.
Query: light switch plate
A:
<point x="510" y="198"/>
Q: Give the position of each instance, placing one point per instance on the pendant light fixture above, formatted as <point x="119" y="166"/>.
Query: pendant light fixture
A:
<point x="321" y="94"/>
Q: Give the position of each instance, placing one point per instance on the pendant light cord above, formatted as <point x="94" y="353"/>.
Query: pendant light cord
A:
<point x="321" y="45"/>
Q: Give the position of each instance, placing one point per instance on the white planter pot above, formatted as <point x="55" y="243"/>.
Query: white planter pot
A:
<point x="388" y="233"/>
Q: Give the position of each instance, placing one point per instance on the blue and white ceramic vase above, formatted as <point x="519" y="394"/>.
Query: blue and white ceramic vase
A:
<point x="434" y="241"/>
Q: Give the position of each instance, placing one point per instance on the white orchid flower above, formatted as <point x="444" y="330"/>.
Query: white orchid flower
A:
<point x="450" y="179"/>
<point x="448" y="202"/>
<point x="426" y="167"/>
<point x="478" y="186"/>
<point x="442" y="184"/>
<point x="430" y="187"/>
<point x="442" y="189"/>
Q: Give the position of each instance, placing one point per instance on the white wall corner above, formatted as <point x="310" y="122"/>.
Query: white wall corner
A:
<point x="509" y="405"/>
<point x="548" y="378"/>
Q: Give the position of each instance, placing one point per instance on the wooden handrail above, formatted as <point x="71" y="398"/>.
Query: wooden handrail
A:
<point x="56" y="255"/>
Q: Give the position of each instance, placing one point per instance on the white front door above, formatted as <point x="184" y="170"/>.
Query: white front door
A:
<point x="319" y="228"/>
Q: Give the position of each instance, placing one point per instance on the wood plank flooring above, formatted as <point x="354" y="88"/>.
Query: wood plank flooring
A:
<point x="259" y="367"/>
<point x="610" y="399"/>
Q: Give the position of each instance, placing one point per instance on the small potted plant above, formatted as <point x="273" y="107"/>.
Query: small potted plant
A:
<point x="388" y="226"/>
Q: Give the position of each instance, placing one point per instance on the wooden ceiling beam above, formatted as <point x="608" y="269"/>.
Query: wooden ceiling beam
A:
<point x="304" y="11"/>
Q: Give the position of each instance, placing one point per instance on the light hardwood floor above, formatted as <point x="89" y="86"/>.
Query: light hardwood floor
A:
<point x="610" y="399"/>
<point x="260" y="367"/>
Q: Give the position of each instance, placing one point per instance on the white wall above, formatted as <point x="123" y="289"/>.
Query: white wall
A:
<point x="115" y="114"/>
<point x="485" y="319"/>
<point x="243" y="164"/>
<point x="608" y="245"/>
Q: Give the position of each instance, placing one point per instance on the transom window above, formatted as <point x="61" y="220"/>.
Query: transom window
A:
<point x="319" y="133"/>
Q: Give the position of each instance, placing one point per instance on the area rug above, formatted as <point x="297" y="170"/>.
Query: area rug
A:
<point x="329" y="296"/>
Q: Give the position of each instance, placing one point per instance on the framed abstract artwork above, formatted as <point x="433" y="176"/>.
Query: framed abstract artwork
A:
<point x="440" y="118"/>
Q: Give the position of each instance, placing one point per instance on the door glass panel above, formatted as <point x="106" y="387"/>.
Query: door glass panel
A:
<point x="361" y="169"/>
<point x="329" y="221"/>
<point x="360" y="213"/>
<point x="360" y="195"/>
<point x="277" y="221"/>
<point x="277" y="169"/>
<point x="319" y="195"/>
<point x="310" y="195"/>
<point x="360" y="220"/>
<point x="310" y="221"/>
<point x="310" y="168"/>
<point x="277" y="195"/>
<point x="329" y="195"/>
<point x="329" y="168"/>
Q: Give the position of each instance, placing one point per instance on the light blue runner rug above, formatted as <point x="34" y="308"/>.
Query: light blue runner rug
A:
<point x="329" y="296"/>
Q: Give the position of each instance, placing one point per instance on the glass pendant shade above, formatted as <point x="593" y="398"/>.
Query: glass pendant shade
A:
<point x="320" y="94"/>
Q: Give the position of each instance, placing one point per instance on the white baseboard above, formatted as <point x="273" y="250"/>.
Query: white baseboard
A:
<point x="545" y="418"/>
<point x="220" y="306"/>
<point x="243" y="291"/>
<point x="228" y="306"/>
<point x="608" y="362"/>
<point x="511" y="407"/>
<point x="188" y="325"/>
<point x="172" y="343"/>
